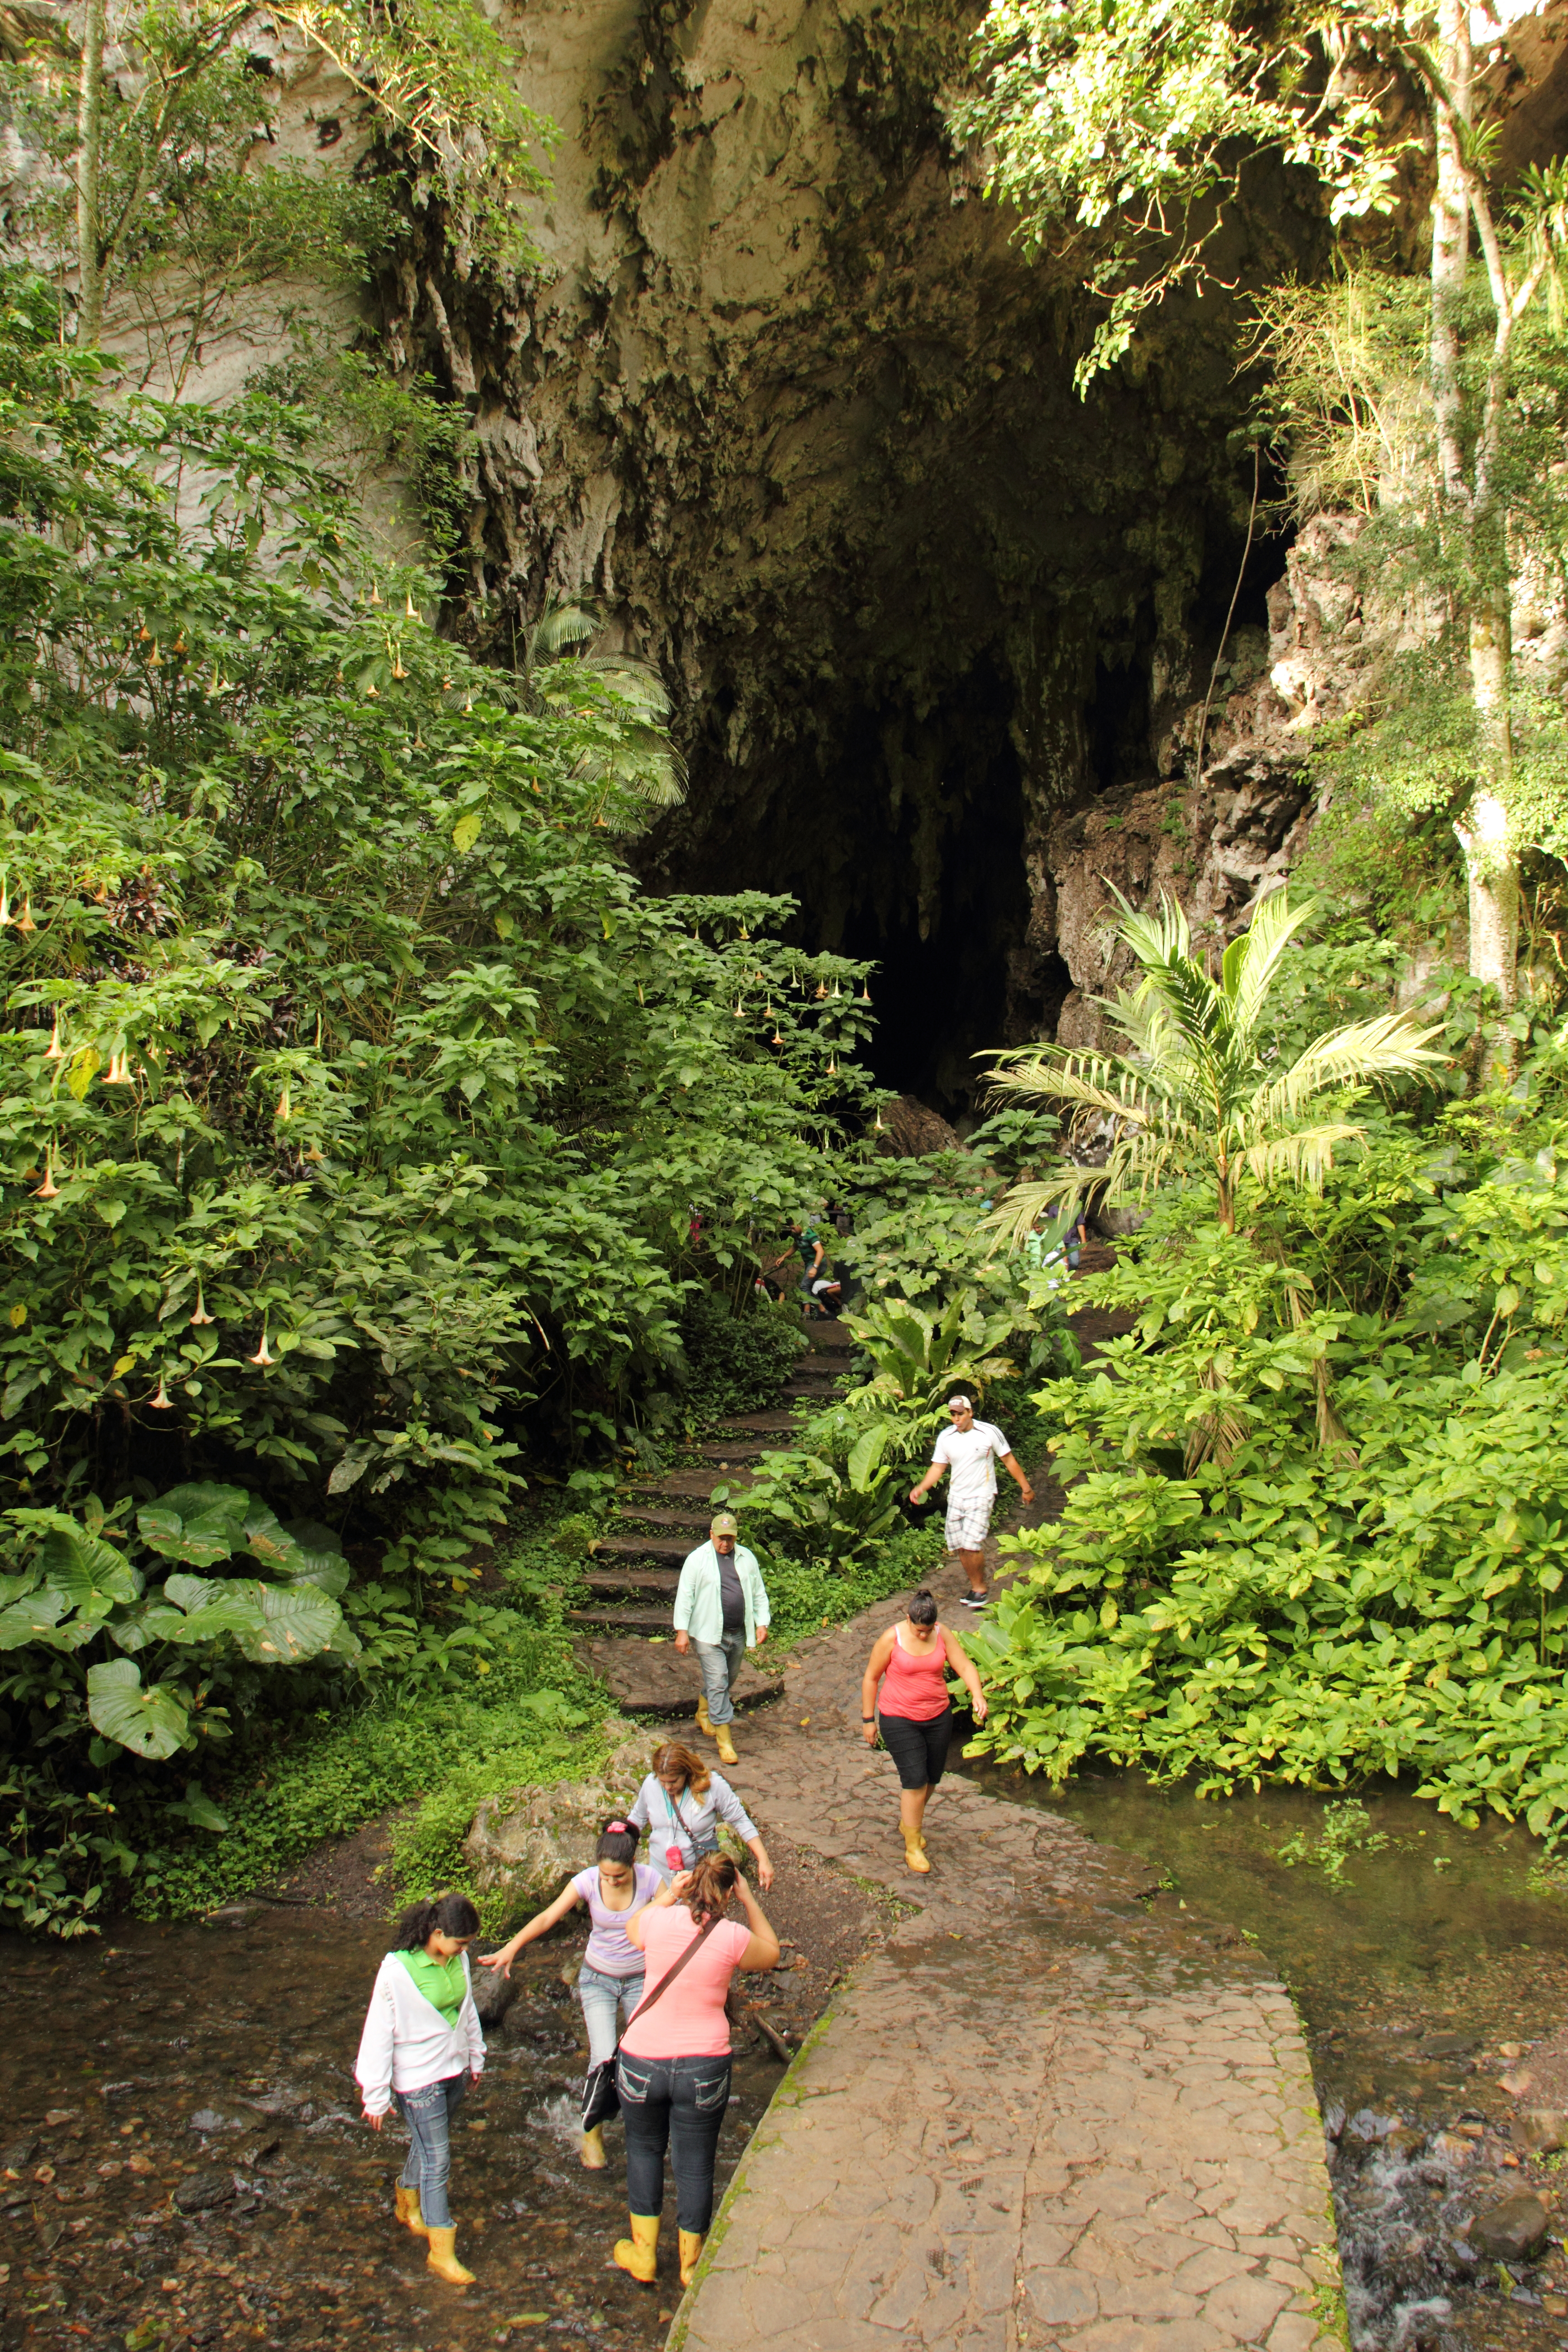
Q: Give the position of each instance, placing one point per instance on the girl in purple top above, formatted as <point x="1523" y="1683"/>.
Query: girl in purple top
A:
<point x="611" y="1978"/>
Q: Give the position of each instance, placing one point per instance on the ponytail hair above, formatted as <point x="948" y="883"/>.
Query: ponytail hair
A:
<point x="617" y="1842"/>
<point x="713" y="1880"/>
<point x="449" y="1915"/>
<point x="921" y="1609"/>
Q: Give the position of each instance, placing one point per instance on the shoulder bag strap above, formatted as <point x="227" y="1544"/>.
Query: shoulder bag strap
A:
<point x="669" y="1975"/>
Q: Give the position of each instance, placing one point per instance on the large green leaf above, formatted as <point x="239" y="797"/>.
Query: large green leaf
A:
<point x="198" y="1524"/>
<point x="152" y="1722"/>
<point x="317" y="1556"/>
<point x="91" y="1574"/>
<point x="33" y="1619"/>
<point x="300" y="1622"/>
<point x="266" y="1539"/>
<point x="866" y="1452"/>
<point x="215" y="1606"/>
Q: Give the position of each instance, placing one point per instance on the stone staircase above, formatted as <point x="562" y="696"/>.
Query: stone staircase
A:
<point x="623" y="1633"/>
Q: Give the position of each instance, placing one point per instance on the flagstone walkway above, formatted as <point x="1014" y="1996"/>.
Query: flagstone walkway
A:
<point x="1036" y="2119"/>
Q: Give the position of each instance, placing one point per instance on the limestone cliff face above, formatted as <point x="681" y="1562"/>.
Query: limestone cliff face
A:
<point x="788" y="404"/>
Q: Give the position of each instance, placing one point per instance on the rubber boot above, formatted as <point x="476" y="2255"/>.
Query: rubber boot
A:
<point x="592" y="2150"/>
<point x="704" y="1721"/>
<point x="914" y="1851"/>
<point x="692" y="2242"/>
<point x="726" y="1745"/>
<point x="638" y="2254"/>
<point x="408" y="2212"/>
<point x="443" y="2258"/>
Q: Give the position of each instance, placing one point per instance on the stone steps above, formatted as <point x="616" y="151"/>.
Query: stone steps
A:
<point x="727" y="1449"/>
<point x="609" y="1584"/>
<point x="624" y="1617"/>
<point x="695" y="1519"/>
<point x="666" y="1548"/>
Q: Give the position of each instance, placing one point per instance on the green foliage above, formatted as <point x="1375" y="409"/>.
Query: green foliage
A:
<point x="736" y="1360"/>
<point x="918" y="1362"/>
<point x="807" y="1597"/>
<point x="1228" y="1595"/>
<point x="1347" y="1829"/>
<point x="1199" y="1089"/>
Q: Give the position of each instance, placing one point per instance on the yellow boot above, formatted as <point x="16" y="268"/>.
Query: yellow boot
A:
<point x="592" y="2150"/>
<point x="442" y="2258"/>
<point x="691" y="2254"/>
<point x="726" y="1745"/>
<point x="638" y="2254"/>
<point x="914" y="1851"/>
<point x="408" y="2212"/>
<point x="704" y="1721"/>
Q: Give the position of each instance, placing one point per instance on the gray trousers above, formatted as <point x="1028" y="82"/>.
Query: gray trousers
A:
<point x="721" y="1662"/>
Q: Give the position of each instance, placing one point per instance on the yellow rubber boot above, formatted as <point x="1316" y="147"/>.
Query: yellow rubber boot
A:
<point x="726" y="1745"/>
<point x="704" y="1721"/>
<point x="691" y="2244"/>
<point x="593" y="2149"/>
<point x="914" y="1851"/>
<point x="408" y="2212"/>
<point x="638" y="2254"/>
<point x="443" y="2258"/>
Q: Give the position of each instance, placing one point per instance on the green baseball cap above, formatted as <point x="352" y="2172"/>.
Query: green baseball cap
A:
<point x="725" y="1524"/>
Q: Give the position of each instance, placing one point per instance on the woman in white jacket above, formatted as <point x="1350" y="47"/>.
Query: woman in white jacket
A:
<point x="420" y="2046"/>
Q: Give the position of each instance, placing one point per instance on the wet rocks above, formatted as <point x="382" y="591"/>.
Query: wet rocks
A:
<point x="1541" y="2130"/>
<point x="1512" y="2231"/>
<point x="204" y="2192"/>
<point x="493" y="1996"/>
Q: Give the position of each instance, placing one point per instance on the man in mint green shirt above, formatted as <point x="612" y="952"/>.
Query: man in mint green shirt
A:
<point x="721" y="1612"/>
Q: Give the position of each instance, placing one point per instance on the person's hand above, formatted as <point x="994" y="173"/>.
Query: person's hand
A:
<point x="917" y="1494"/>
<point x="979" y="1708"/>
<point x="761" y="1635"/>
<point x="682" y="1643"/>
<point x="868" y="1734"/>
<point x="765" y="1876"/>
<point x="675" y="1888"/>
<point x="1027" y="1491"/>
<point x="374" y="2122"/>
<point x="474" y="2073"/>
<point x="501" y="1959"/>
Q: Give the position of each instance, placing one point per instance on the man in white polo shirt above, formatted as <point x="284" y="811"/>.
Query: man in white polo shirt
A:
<point x="971" y="1449"/>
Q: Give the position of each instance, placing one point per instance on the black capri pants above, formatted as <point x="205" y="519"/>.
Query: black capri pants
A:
<point x="919" y="1750"/>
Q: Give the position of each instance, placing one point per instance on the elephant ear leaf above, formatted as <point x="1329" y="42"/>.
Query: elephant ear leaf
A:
<point x="201" y="1524"/>
<point x="90" y="1574"/>
<point x="33" y="1619"/>
<point x="216" y="1606"/>
<point x="151" y="1721"/>
<point x="267" y="1540"/>
<point x="317" y="1558"/>
<point x="299" y="1621"/>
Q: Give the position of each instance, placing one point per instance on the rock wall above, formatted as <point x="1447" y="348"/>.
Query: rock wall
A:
<point x="788" y="404"/>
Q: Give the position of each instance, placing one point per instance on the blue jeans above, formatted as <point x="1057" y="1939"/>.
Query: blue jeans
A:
<point x="678" y="2103"/>
<point x="721" y="1662"/>
<point x="428" y="2114"/>
<point x="603" y="1998"/>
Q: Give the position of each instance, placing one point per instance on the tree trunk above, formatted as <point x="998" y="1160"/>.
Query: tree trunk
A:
<point x="1450" y="243"/>
<point x="89" y="155"/>
<point x="1491" y="861"/>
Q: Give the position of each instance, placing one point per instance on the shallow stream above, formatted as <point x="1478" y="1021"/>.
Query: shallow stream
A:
<point x="202" y="2175"/>
<point x="1423" y="1958"/>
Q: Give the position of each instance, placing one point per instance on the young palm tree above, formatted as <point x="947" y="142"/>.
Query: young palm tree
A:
<point x="1195" y="1090"/>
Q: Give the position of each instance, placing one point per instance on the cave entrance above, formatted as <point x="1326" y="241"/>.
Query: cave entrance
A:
<point x="899" y="832"/>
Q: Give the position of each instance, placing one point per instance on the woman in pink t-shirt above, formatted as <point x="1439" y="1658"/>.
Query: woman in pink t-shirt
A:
<point x="673" y="2072"/>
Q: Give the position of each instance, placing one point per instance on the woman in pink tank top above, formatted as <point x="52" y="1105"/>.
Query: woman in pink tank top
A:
<point x="912" y="1661"/>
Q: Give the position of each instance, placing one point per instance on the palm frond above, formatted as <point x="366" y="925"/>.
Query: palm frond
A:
<point x="1305" y="1154"/>
<point x="1247" y="981"/>
<point x="1354" y="1054"/>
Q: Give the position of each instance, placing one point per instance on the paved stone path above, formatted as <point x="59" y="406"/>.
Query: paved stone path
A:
<point x="1037" y="2117"/>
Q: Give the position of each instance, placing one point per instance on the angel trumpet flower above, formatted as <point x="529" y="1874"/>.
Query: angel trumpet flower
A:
<point x="262" y="1356"/>
<point x="201" y="1315"/>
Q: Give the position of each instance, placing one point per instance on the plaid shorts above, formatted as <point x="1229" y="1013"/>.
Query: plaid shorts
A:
<point x="968" y="1522"/>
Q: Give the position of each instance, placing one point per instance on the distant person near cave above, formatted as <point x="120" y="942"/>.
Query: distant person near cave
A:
<point x="971" y="1450"/>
